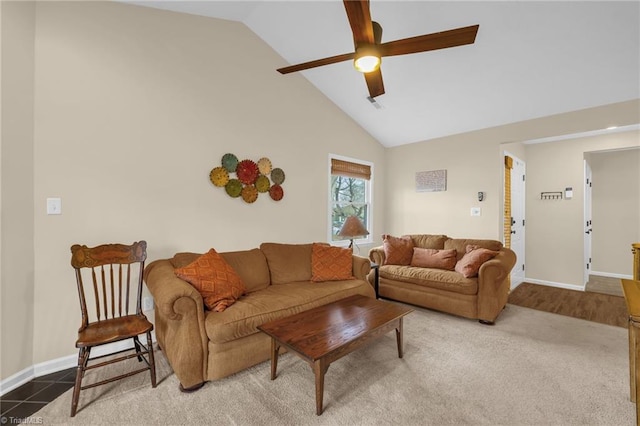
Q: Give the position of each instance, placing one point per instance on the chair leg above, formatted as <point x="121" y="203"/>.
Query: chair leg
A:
<point x="83" y="358"/>
<point x="136" y="343"/>
<point x="152" y="360"/>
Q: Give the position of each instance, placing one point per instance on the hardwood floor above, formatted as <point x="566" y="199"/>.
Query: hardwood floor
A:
<point x="588" y="305"/>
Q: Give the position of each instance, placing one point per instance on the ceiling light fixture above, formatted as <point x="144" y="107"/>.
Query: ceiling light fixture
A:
<point x="367" y="59"/>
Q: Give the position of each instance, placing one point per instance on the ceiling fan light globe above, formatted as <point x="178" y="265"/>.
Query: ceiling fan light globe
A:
<point x="367" y="63"/>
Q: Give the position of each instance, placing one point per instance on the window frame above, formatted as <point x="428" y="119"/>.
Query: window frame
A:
<point x="368" y="239"/>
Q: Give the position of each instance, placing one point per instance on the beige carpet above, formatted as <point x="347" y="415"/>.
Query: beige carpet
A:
<point x="531" y="368"/>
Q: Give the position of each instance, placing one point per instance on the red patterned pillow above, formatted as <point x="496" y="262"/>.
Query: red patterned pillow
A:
<point x="330" y="263"/>
<point x="397" y="251"/>
<point x="217" y="282"/>
<point x="474" y="257"/>
<point x="432" y="258"/>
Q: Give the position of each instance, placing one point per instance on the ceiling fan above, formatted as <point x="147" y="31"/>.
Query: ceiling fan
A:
<point x="369" y="49"/>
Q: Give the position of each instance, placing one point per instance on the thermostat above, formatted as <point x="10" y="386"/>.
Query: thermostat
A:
<point x="568" y="193"/>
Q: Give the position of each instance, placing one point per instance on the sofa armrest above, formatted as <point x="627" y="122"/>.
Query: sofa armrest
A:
<point x="494" y="284"/>
<point x="361" y="267"/>
<point x="376" y="255"/>
<point x="179" y="322"/>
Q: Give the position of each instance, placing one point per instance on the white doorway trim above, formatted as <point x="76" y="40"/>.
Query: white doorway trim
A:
<point x="587" y="220"/>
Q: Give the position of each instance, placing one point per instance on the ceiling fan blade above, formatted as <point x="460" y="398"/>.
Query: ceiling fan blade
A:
<point x="316" y="63"/>
<point x="374" y="83"/>
<point x="435" y="41"/>
<point x="360" y="21"/>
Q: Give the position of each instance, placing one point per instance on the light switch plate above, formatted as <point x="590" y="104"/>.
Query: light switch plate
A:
<point x="147" y="303"/>
<point x="54" y="206"/>
<point x="476" y="211"/>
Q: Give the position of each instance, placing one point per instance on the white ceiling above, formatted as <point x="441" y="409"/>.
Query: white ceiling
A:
<point x="531" y="59"/>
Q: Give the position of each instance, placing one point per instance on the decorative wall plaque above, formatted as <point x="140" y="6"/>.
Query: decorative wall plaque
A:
<point x="431" y="181"/>
<point x="247" y="178"/>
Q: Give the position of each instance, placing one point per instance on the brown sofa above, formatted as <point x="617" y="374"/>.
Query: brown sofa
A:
<point x="482" y="297"/>
<point x="202" y="345"/>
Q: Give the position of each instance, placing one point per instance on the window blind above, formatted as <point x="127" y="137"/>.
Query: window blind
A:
<point x="349" y="169"/>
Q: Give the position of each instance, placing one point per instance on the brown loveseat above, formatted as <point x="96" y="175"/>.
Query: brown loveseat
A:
<point x="203" y="345"/>
<point x="481" y="297"/>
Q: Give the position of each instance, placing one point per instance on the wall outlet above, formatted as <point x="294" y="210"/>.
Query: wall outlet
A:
<point x="147" y="303"/>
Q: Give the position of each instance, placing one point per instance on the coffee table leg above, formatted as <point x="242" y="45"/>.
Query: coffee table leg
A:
<point x="274" y="358"/>
<point x="319" y="368"/>
<point x="399" y="337"/>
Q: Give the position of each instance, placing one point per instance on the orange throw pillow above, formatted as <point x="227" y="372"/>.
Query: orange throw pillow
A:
<point x="330" y="263"/>
<point x="474" y="257"/>
<point x="397" y="251"/>
<point x="432" y="258"/>
<point x="218" y="283"/>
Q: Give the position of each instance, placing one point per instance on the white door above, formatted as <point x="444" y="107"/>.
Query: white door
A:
<point x="518" y="219"/>
<point x="587" y="220"/>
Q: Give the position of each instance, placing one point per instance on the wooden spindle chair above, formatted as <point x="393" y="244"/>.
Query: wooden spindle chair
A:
<point x="110" y="276"/>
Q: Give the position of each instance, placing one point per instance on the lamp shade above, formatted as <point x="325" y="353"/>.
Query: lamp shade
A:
<point x="353" y="227"/>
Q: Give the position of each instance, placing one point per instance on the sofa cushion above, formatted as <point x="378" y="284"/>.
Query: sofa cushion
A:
<point x="182" y="259"/>
<point x="329" y="263"/>
<point x="432" y="258"/>
<point x="397" y="250"/>
<point x="474" y="257"/>
<point x="429" y="277"/>
<point x="460" y="245"/>
<point x="428" y="241"/>
<point x="215" y="279"/>
<point x="288" y="262"/>
<point x="277" y="301"/>
<point x="251" y="266"/>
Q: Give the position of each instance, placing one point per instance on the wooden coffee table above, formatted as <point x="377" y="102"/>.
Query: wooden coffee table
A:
<point x="329" y="332"/>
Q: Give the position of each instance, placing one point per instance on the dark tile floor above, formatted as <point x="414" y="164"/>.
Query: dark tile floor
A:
<point x="24" y="401"/>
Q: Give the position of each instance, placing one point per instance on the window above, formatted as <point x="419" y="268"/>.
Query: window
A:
<point x="349" y="194"/>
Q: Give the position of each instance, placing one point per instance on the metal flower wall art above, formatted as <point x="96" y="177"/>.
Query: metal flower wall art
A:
<point x="247" y="179"/>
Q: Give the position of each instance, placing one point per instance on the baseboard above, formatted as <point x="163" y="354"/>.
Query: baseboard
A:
<point x="611" y="275"/>
<point x="59" y="364"/>
<point x="555" y="284"/>
<point x="16" y="380"/>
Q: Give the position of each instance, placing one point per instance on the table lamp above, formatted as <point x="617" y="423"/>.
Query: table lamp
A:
<point x="353" y="228"/>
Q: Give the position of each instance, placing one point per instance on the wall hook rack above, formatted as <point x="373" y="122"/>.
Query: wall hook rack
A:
<point x="556" y="195"/>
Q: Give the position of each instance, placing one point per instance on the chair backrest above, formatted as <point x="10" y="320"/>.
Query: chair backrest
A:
<point x="110" y="277"/>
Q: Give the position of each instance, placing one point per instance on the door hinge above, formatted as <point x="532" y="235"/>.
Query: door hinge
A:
<point x="587" y="266"/>
<point x="522" y="222"/>
<point x="523" y="178"/>
<point x="523" y="266"/>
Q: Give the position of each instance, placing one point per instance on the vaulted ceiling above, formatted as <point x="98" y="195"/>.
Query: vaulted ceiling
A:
<point x="530" y="59"/>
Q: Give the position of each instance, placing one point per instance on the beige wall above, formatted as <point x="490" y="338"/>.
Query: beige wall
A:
<point x="471" y="166"/>
<point x="555" y="230"/>
<point x="474" y="162"/>
<point x="616" y="209"/>
<point x="16" y="187"/>
<point x="554" y="244"/>
<point x="133" y="108"/>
